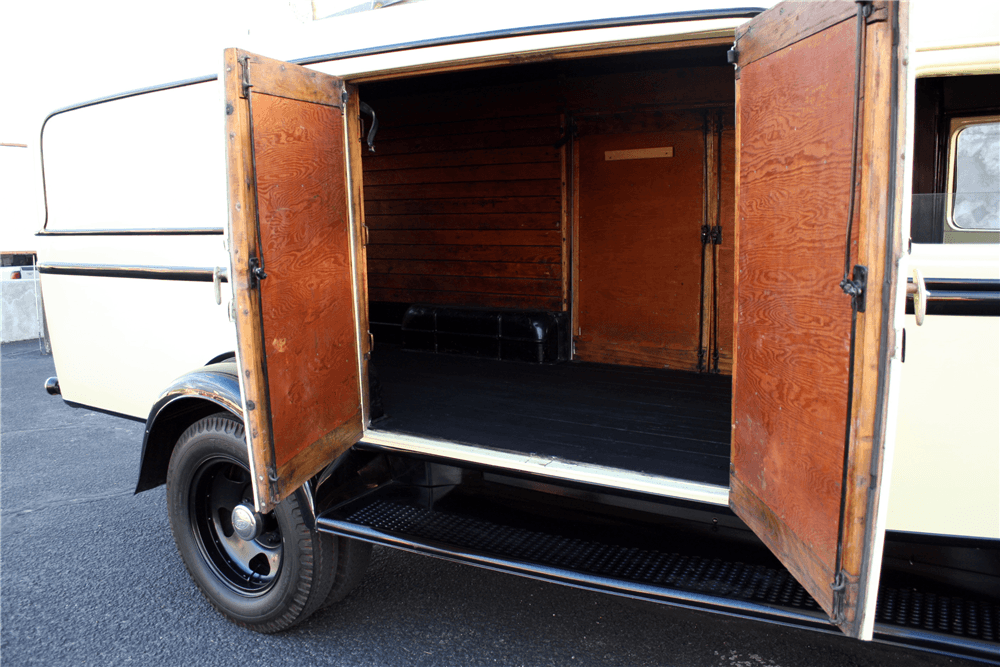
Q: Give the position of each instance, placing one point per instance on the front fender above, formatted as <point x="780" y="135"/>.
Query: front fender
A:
<point x="202" y="392"/>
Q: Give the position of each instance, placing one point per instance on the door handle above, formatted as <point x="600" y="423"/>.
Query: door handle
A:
<point x="918" y="290"/>
<point x="218" y="275"/>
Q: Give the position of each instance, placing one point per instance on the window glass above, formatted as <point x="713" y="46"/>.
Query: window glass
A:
<point x="976" y="200"/>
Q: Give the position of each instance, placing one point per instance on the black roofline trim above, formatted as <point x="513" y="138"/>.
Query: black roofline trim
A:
<point x="644" y="19"/>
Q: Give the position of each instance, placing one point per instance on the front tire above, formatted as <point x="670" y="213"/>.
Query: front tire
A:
<point x="267" y="584"/>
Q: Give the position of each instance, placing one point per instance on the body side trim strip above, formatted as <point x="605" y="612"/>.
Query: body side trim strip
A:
<point x="136" y="231"/>
<point x="554" y="468"/>
<point x="182" y="273"/>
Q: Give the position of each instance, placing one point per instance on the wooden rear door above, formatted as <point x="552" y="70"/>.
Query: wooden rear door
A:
<point x="811" y="375"/>
<point x="297" y="267"/>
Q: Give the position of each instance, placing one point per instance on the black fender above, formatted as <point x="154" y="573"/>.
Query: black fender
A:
<point x="202" y="392"/>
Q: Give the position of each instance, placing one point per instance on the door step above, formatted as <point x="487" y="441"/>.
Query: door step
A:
<point x="904" y="616"/>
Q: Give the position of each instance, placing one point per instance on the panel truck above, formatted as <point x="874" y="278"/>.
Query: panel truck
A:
<point x="615" y="302"/>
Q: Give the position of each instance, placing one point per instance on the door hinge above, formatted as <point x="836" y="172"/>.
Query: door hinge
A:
<point x="855" y="288"/>
<point x="839" y="587"/>
<point x="711" y="235"/>
<point x="245" y="72"/>
<point x="257" y="273"/>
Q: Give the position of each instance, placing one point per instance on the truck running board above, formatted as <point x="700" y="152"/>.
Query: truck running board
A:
<point x="905" y="616"/>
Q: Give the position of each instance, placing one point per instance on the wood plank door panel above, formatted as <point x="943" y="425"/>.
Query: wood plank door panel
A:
<point x="298" y="320"/>
<point x="638" y="273"/>
<point x="808" y="408"/>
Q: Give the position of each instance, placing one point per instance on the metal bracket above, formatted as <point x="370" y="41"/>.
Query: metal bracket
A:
<point x="716" y="235"/>
<point x="706" y="234"/>
<point x="256" y="272"/>
<point x="855" y="288"/>
<point x="245" y="72"/>
<point x="365" y="109"/>
<point x="839" y="587"/>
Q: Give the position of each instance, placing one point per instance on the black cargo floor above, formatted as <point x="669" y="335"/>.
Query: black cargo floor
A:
<point x="662" y="422"/>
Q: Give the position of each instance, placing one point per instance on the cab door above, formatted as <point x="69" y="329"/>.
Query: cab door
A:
<point x="297" y="267"/>
<point x="820" y="136"/>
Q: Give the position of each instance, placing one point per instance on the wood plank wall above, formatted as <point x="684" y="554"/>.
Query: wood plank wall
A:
<point x="464" y="194"/>
<point x="464" y="210"/>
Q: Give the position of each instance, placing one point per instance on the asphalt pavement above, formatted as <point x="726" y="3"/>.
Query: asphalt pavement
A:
<point x="89" y="575"/>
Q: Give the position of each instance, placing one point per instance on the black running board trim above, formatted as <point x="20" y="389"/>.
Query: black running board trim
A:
<point x="755" y="592"/>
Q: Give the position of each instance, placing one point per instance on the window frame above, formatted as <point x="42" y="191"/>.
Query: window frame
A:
<point x="956" y="125"/>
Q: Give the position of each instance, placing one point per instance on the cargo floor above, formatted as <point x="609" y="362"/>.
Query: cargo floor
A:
<point x="661" y="422"/>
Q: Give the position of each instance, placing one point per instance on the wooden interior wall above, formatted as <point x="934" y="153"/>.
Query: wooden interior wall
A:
<point x="464" y="194"/>
<point x="463" y="209"/>
<point x="638" y="276"/>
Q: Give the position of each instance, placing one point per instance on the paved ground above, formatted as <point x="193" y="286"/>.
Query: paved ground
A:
<point x="90" y="576"/>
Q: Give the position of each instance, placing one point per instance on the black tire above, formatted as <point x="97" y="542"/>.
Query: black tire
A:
<point x="353" y="557"/>
<point x="268" y="584"/>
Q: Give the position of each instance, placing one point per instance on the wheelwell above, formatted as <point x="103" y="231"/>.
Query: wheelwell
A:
<point x="163" y="432"/>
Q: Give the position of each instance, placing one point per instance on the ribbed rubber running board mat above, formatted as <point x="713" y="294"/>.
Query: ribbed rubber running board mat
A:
<point x="904" y="616"/>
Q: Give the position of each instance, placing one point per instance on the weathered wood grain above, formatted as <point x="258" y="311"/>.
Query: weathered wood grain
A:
<point x="792" y="321"/>
<point x="880" y="250"/>
<point x="790" y="389"/>
<point x="298" y="328"/>
<point x="307" y="299"/>
<point x="242" y="246"/>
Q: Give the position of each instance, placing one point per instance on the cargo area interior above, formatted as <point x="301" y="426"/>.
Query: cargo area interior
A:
<point x="550" y="259"/>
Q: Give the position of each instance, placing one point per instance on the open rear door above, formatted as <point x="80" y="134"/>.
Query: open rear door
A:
<point x="296" y="267"/>
<point x="812" y="361"/>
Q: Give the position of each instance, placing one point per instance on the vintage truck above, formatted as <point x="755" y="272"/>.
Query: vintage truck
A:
<point x="616" y="302"/>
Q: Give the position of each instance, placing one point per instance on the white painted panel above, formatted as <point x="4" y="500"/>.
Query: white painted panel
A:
<point x="947" y="466"/>
<point x="153" y="160"/>
<point x="119" y="342"/>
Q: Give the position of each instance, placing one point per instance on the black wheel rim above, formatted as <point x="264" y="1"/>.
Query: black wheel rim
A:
<point x="249" y="567"/>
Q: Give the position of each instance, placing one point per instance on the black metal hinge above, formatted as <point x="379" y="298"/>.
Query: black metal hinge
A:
<point x="711" y="235"/>
<point x="839" y="587"/>
<point x="256" y="272"/>
<point x="855" y="288"/>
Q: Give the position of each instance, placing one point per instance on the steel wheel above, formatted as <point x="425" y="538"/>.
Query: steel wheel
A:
<point x="249" y="567"/>
<point x="268" y="582"/>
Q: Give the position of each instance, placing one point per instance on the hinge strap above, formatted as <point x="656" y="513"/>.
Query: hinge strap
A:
<point x="245" y="75"/>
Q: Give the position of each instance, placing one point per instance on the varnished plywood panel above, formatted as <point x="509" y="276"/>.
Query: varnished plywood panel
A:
<point x="307" y="298"/>
<point x="640" y="251"/>
<point x="793" y="321"/>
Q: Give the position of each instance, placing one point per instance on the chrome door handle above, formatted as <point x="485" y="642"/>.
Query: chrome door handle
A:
<point x="918" y="290"/>
<point x="217" y="275"/>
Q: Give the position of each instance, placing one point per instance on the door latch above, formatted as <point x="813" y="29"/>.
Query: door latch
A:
<point x="257" y="272"/>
